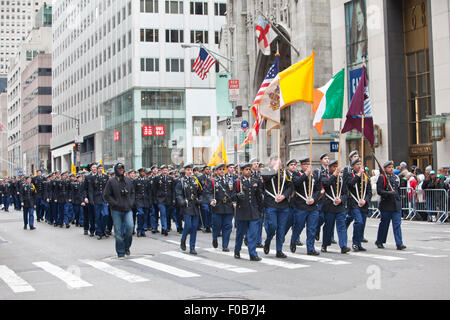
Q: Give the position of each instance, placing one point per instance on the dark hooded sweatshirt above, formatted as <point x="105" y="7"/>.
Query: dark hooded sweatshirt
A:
<point x="119" y="192"/>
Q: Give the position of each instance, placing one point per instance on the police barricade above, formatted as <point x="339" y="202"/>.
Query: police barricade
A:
<point x="432" y="203"/>
<point x="407" y="198"/>
<point x="374" y="212"/>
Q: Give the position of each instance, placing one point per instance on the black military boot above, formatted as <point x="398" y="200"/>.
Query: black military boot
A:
<point x="237" y="255"/>
<point x="401" y="247"/>
<point x="379" y="245"/>
<point x="280" y="254"/>
<point x="214" y="243"/>
<point x="183" y="246"/>
<point x="267" y="248"/>
<point x="293" y="247"/>
<point x="345" y="250"/>
<point x="192" y="251"/>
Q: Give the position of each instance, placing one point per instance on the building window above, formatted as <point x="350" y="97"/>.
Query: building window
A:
<point x="175" y="36"/>
<point x="162" y="100"/>
<point x="199" y="36"/>
<point x="220" y="9"/>
<point x="174" y="7"/>
<point x="199" y="8"/>
<point x="149" y="64"/>
<point x="149" y="6"/>
<point x="216" y="37"/>
<point x="201" y="126"/>
<point x="174" y="65"/>
<point x="149" y="35"/>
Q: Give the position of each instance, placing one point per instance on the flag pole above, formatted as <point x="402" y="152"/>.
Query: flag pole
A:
<point x="362" y="151"/>
<point x="339" y="155"/>
<point x="310" y="146"/>
<point x="279" y="135"/>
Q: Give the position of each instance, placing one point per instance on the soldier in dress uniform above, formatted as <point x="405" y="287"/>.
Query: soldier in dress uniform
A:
<point x="276" y="204"/>
<point x="142" y="204"/>
<point x="89" y="216"/>
<point x="188" y="192"/>
<point x="27" y="197"/>
<point x="388" y="188"/>
<point x="305" y="206"/>
<point x="206" y="182"/>
<point x="255" y="168"/>
<point x="54" y="200"/>
<point x="154" y="212"/>
<point x="46" y="196"/>
<point x="320" y="173"/>
<point x="96" y="187"/>
<point x="164" y="187"/>
<point x="63" y="201"/>
<point x="291" y="170"/>
<point x="249" y="207"/>
<point x="171" y="214"/>
<point x="357" y="203"/>
<point x="231" y="168"/>
<point x="76" y="198"/>
<point x="221" y="199"/>
<point x="334" y="207"/>
<point x="37" y="181"/>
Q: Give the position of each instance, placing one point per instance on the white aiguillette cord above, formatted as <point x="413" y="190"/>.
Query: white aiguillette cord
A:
<point x="273" y="187"/>
<point x="357" y="198"/>
<point x="304" y="187"/>
<point x="332" y="191"/>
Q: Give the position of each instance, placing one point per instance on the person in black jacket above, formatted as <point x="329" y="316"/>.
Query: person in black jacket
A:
<point x="205" y="180"/>
<point x="76" y="198"/>
<point x="120" y="195"/>
<point x="163" y="193"/>
<point x="27" y="193"/>
<point x="46" y="196"/>
<point x="188" y="192"/>
<point x="358" y="203"/>
<point x="334" y="207"/>
<point x="249" y="207"/>
<point x="141" y="201"/>
<point x="96" y="186"/>
<point x="390" y="206"/>
<point x="305" y="206"/>
<point x="37" y="181"/>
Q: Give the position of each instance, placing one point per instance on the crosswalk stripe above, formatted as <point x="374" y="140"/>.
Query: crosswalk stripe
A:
<point x="165" y="268"/>
<point x="312" y="258"/>
<point x="430" y="255"/>
<point x="69" y="278"/>
<point x="119" y="273"/>
<point x="369" y="255"/>
<point x="16" y="283"/>
<point x="265" y="260"/>
<point x="207" y="262"/>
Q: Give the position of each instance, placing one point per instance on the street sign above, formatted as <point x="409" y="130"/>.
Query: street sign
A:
<point x="334" y="146"/>
<point x="244" y="125"/>
<point x="160" y="130"/>
<point x="233" y="90"/>
<point x="79" y="139"/>
<point x="147" y="131"/>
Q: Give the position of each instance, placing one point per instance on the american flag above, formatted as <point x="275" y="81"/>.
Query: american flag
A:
<point x="203" y="63"/>
<point x="273" y="71"/>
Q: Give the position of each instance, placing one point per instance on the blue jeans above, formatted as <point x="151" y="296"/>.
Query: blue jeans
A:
<point x="140" y="217"/>
<point x="163" y="210"/>
<point x="101" y="218"/>
<point x="358" y="226"/>
<point x="249" y="228"/>
<point x="28" y="217"/>
<point x="386" y="217"/>
<point x="275" y="222"/>
<point x="190" y="228"/>
<point x="123" y="230"/>
<point x="222" y="223"/>
<point x="206" y="215"/>
<point x="328" y="229"/>
<point x="310" y="218"/>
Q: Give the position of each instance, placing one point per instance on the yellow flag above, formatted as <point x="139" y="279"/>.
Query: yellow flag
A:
<point x="220" y="156"/>
<point x="74" y="170"/>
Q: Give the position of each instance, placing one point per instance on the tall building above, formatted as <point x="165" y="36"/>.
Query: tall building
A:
<point x="405" y="46"/>
<point x="303" y="27"/>
<point x="3" y="134"/>
<point x="119" y="70"/>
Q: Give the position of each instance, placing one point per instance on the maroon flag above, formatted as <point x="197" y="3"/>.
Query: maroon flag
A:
<point x="359" y="106"/>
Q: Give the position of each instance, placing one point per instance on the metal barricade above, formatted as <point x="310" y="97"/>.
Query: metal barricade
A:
<point x="374" y="212"/>
<point x="432" y="202"/>
<point x="407" y="198"/>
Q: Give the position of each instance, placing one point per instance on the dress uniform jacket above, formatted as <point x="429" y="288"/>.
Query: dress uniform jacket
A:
<point x="249" y="198"/>
<point x="77" y="192"/>
<point x="46" y="190"/>
<point x="163" y="190"/>
<point x="301" y="186"/>
<point x="96" y="187"/>
<point x="353" y="182"/>
<point x="54" y="189"/>
<point x="62" y="191"/>
<point x="140" y="188"/>
<point x="321" y="173"/>
<point x="27" y="193"/>
<point x="330" y="185"/>
<point x="38" y="182"/>
<point x="224" y="194"/>
<point x="149" y="200"/>
<point x="389" y="200"/>
<point x="188" y="195"/>
<point x="206" y="183"/>
<point x="270" y="188"/>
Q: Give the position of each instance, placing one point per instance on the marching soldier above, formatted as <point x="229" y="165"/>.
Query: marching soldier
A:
<point x="305" y="206"/>
<point x="164" y="187"/>
<point x="276" y="204"/>
<point x="205" y="180"/>
<point x="96" y="187"/>
<point x="142" y="201"/>
<point x="358" y="203"/>
<point x="76" y="198"/>
<point x="37" y="181"/>
<point x="249" y="207"/>
<point x="291" y="170"/>
<point x="334" y="207"/>
<point x="46" y="196"/>
<point x="27" y="198"/>
<point x="89" y="216"/>
<point x="256" y="172"/>
<point x="188" y="192"/>
<point x="62" y="192"/>
<point x="221" y="200"/>
<point x="388" y="188"/>
<point x="320" y="173"/>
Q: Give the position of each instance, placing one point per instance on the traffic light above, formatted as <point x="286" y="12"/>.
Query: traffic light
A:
<point x="228" y="123"/>
<point x="238" y="112"/>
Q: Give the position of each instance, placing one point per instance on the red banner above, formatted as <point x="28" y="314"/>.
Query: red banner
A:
<point x="147" y="131"/>
<point x="160" y="130"/>
<point x="116" y="135"/>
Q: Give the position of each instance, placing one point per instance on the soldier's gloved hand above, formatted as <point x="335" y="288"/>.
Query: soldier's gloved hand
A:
<point x="241" y="196"/>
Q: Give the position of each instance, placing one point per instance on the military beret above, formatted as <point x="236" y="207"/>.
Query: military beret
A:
<point x="163" y="167"/>
<point x="221" y="165"/>
<point x="388" y="163"/>
<point x="254" y="160"/>
<point x="353" y="153"/>
<point x="291" y="161"/>
<point x="245" y="165"/>
<point x="230" y="165"/>
<point x="333" y="163"/>
<point x="323" y="156"/>
<point x="304" y="160"/>
<point x="147" y="171"/>
<point x="141" y="169"/>
<point x="189" y="165"/>
<point x="356" y="161"/>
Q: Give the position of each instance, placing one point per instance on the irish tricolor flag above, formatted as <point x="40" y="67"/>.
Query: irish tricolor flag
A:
<point x="329" y="101"/>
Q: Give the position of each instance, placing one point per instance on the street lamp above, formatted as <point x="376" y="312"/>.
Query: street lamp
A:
<point x="77" y="124"/>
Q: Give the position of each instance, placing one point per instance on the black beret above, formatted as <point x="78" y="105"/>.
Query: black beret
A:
<point x="356" y="161"/>
<point x="333" y="163"/>
<point x="323" y="156"/>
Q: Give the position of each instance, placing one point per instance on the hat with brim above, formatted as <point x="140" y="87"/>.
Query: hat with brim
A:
<point x="221" y="165"/>
<point x="163" y="167"/>
<point x="356" y="161"/>
<point x="189" y="165"/>
<point x="333" y="163"/>
<point x="245" y="165"/>
<point x="388" y="163"/>
<point x="323" y="156"/>
<point x="291" y="162"/>
<point x="353" y="153"/>
<point x="304" y="160"/>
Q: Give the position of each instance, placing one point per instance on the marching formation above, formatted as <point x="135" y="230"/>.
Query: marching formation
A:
<point x="249" y="197"/>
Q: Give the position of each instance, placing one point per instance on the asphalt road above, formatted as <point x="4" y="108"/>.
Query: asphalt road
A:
<point x="54" y="263"/>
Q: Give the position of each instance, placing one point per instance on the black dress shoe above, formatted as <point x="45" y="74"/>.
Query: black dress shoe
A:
<point x="401" y="247"/>
<point x="127" y="252"/>
<point x="143" y="234"/>
<point x="266" y="248"/>
<point x="345" y="250"/>
<point x="364" y="240"/>
<point x="293" y="247"/>
<point x="91" y="235"/>
<point x="183" y="246"/>
<point x="323" y="249"/>
<point x="318" y="236"/>
<point x="225" y="250"/>
<point x="256" y="258"/>
<point x="25" y="228"/>
<point x="208" y="230"/>
<point x="280" y="254"/>
<point x="299" y="244"/>
<point x="313" y="253"/>
<point x="260" y="245"/>
<point x="154" y="230"/>
<point x="246" y="241"/>
<point x="333" y="242"/>
<point x="237" y="255"/>
<point x="32" y="228"/>
<point x="215" y="244"/>
<point x="99" y="237"/>
<point x="192" y="251"/>
<point x="85" y="233"/>
<point x="355" y="248"/>
<point x="379" y="245"/>
<point x="362" y="249"/>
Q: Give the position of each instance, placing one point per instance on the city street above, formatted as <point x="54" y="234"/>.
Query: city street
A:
<point x="54" y="263"/>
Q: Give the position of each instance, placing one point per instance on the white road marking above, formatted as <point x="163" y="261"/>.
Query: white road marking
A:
<point x="69" y="278"/>
<point x="430" y="255"/>
<point x="369" y="255"/>
<point x="207" y="262"/>
<point x="16" y="283"/>
<point x="268" y="261"/>
<point x="165" y="268"/>
<point x="312" y="258"/>
<point x="119" y="273"/>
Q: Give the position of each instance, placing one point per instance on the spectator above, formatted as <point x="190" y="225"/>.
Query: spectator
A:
<point x="430" y="184"/>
